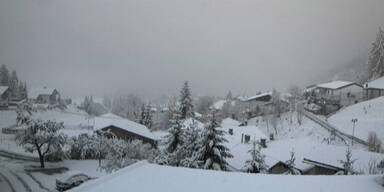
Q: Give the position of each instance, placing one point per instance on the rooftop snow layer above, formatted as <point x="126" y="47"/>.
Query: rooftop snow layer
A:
<point x="259" y="95"/>
<point x="111" y="119"/>
<point x="376" y="84"/>
<point x="335" y="84"/>
<point x="33" y="93"/>
<point x="3" y="89"/>
<point x="145" y="177"/>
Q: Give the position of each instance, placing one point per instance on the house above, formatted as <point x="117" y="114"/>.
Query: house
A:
<point x="339" y="92"/>
<point x="281" y="168"/>
<point x="319" y="168"/>
<point x="258" y="102"/>
<point x="374" y="88"/>
<point x="5" y="94"/>
<point x="43" y="95"/>
<point x="124" y="128"/>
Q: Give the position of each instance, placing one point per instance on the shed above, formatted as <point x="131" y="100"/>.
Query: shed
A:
<point x="5" y="94"/>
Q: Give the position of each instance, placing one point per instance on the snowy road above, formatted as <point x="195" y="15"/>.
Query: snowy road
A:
<point x="14" y="178"/>
<point x="331" y="128"/>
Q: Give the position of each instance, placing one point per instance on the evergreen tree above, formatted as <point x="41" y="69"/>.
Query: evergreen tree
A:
<point x="229" y="96"/>
<point x="14" y="85"/>
<point x="172" y="143"/>
<point x="348" y="163"/>
<point x="291" y="165"/>
<point x="257" y="162"/>
<point x="212" y="154"/>
<point x="146" y="116"/>
<point x="4" y="76"/>
<point x="376" y="57"/>
<point x="186" y="106"/>
<point x="190" y="145"/>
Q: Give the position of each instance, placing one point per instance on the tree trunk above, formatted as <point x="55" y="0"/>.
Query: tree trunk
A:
<point x="41" y="157"/>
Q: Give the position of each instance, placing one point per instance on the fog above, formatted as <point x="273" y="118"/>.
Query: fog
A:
<point x="149" y="47"/>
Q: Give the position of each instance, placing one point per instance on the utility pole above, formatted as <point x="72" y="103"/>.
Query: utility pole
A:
<point x="354" y="120"/>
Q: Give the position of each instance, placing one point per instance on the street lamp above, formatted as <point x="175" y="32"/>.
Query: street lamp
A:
<point x="353" y="132"/>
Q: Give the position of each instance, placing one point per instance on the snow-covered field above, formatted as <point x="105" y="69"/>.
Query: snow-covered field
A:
<point x="143" y="176"/>
<point x="369" y="115"/>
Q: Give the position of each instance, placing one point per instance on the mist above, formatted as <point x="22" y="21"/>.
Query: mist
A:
<point x="149" y="47"/>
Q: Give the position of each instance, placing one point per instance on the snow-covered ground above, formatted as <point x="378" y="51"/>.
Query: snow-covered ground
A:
<point x="143" y="176"/>
<point x="369" y="115"/>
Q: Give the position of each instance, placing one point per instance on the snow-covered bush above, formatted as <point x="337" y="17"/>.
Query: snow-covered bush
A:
<point x="83" y="147"/>
<point x="121" y="154"/>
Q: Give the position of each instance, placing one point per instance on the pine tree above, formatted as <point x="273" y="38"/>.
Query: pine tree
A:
<point x="212" y="154"/>
<point x="291" y="165"/>
<point x="186" y="106"/>
<point x="4" y="76"/>
<point x="348" y="163"/>
<point x="257" y="162"/>
<point x="190" y="145"/>
<point x="229" y="96"/>
<point x="147" y="120"/>
<point x="14" y="85"/>
<point x="376" y="57"/>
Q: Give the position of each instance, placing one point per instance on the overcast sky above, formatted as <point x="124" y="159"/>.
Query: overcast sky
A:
<point x="150" y="47"/>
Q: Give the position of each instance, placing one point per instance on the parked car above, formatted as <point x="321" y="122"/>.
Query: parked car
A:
<point x="71" y="179"/>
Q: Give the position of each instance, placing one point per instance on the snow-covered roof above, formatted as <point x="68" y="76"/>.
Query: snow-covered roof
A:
<point x="376" y="84"/>
<point x="33" y="93"/>
<point x="230" y="122"/>
<point x="3" y="89"/>
<point x="259" y="96"/>
<point x="335" y="84"/>
<point x="111" y="119"/>
<point x="137" y="177"/>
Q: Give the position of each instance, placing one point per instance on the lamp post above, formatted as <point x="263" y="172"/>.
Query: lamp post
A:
<point x="353" y="128"/>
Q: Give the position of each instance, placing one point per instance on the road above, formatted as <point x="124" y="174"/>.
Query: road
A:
<point x="332" y="128"/>
<point x="13" y="178"/>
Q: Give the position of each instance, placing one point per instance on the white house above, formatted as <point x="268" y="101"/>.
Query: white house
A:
<point x="44" y="95"/>
<point x="341" y="92"/>
<point x="374" y="88"/>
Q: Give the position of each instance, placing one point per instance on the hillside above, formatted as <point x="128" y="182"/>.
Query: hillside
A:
<point x="369" y="115"/>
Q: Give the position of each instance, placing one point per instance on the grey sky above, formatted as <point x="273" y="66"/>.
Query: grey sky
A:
<point x="150" y="47"/>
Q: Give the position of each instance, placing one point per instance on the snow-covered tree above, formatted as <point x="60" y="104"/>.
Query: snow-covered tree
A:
<point x="212" y="153"/>
<point x="376" y="57"/>
<point x="257" y="162"/>
<point x="348" y="163"/>
<point x="186" y="106"/>
<point x="4" y="76"/>
<point x="146" y="116"/>
<point x="101" y="145"/>
<point x="190" y="145"/>
<point x="122" y="153"/>
<point x="43" y="137"/>
<point x="291" y="165"/>
<point x="229" y="96"/>
<point x="82" y="147"/>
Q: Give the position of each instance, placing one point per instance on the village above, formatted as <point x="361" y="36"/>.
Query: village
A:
<point x="49" y="142"/>
<point x="191" y="95"/>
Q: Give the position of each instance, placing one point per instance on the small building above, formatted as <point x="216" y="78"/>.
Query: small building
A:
<point x="124" y="129"/>
<point x="374" y="88"/>
<point x="281" y="168"/>
<point x="257" y="103"/>
<point x="318" y="168"/>
<point x="44" y="95"/>
<point x="5" y="94"/>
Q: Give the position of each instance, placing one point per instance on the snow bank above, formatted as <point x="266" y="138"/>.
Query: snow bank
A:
<point x="144" y="177"/>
